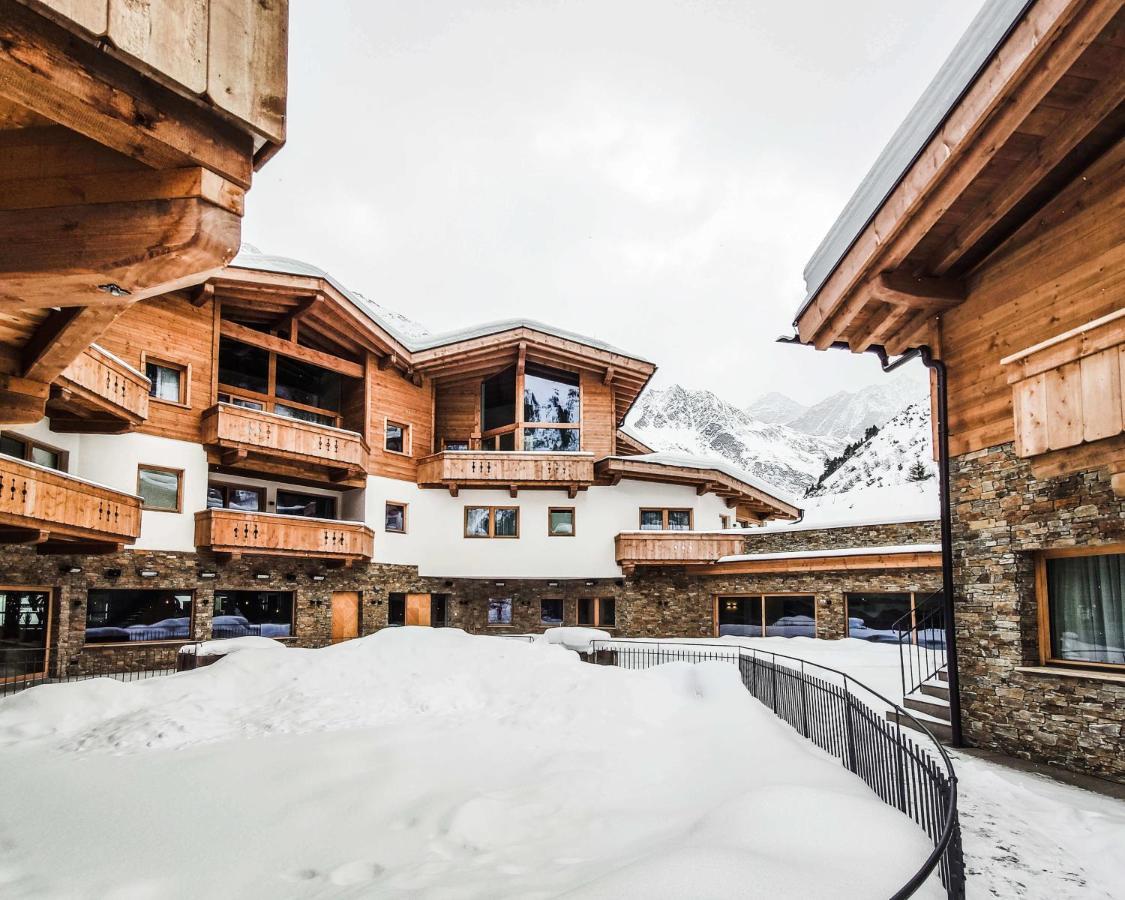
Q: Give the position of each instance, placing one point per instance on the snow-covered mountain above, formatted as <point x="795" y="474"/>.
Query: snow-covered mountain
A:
<point x="897" y="452"/>
<point x="697" y="422"/>
<point x="776" y="408"/>
<point x="848" y="414"/>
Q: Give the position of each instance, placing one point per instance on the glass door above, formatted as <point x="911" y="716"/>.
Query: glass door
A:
<point x="25" y="616"/>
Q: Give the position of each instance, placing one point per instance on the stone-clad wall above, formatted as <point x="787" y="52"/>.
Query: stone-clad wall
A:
<point x="925" y="532"/>
<point x="1001" y="515"/>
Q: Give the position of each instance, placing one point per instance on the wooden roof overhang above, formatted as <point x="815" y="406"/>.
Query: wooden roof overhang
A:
<point x="872" y="561"/>
<point x="1046" y="105"/>
<point x="752" y="501"/>
<point x="482" y="355"/>
<point x="628" y="445"/>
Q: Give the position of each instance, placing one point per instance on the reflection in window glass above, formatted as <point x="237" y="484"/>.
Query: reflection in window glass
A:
<point x="395" y="517"/>
<point x="550" y="395"/>
<point x="235" y="400"/>
<point x="652" y="519"/>
<point x="506" y="523"/>
<point x="23" y="631"/>
<point x="1086" y="600"/>
<point x="118" y="616"/>
<point x="252" y="614"/>
<point x="498" y="399"/>
<point x="164" y="382"/>
<point x="790" y="617"/>
<point x="740" y="616"/>
<point x="585" y="611"/>
<point x="225" y="496"/>
<point x="476" y="521"/>
<point x="304" y="415"/>
<point x="500" y="611"/>
<point x="243" y="366"/>
<point x="551" y="612"/>
<point x="9" y="446"/>
<point x="871" y="617"/>
<point x="290" y="503"/>
<point x="560" y="522"/>
<point x="305" y="383"/>
<point x="607" y="612"/>
<point x="679" y="520"/>
<point x="42" y="456"/>
<point x="159" y="488"/>
<point x="552" y="440"/>
<point x="395" y="438"/>
<point x="456" y="445"/>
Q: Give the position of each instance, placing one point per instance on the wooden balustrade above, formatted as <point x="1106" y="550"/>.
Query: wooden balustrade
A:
<point x="99" y="393"/>
<point x="233" y="533"/>
<point x="455" y="469"/>
<point x="61" y="513"/>
<point x="674" y="548"/>
<point x="250" y="434"/>
<point x="1068" y="392"/>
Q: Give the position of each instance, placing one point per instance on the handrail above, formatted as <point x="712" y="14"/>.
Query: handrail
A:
<point x="917" y="655"/>
<point x="947" y="842"/>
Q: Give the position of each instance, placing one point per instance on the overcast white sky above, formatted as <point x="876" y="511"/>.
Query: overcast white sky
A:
<point x="655" y="173"/>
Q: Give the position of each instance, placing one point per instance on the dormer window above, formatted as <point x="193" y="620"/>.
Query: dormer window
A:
<point x="552" y="407"/>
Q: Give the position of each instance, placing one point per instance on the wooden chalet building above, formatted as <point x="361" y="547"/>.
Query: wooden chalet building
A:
<point x="990" y="238"/>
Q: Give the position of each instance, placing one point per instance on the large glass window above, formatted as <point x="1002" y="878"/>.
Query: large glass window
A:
<point x="551" y="612"/>
<point x="740" y="616"/>
<point x="305" y="383"/>
<point x="498" y="400"/>
<point x="596" y="611"/>
<point x="316" y="506"/>
<point x="500" y="611"/>
<point x="253" y="613"/>
<point x="872" y="617"/>
<point x="159" y="488"/>
<point x="304" y="415"/>
<point x="492" y="521"/>
<point x="552" y="440"/>
<point x="1086" y="608"/>
<point x="24" y="617"/>
<point x="790" y="617"/>
<point x="243" y="366"/>
<point x="550" y="395"/>
<point x="231" y="496"/>
<point x="119" y="616"/>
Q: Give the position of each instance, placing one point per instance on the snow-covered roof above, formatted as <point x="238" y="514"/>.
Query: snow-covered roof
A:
<point x="413" y="340"/>
<point x="894" y="549"/>
<point x="976" y="47"/>
<point x="894" y="504"/>
<point x="718" y="465"/>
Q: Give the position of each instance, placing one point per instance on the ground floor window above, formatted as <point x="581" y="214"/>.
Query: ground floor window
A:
<point x="24" y="627"/>
<point x="439" y="610"/>
<point x="598" y="612"/>
<point x="117" y="616"/>
<point x="1085" y="608"/>
<point x="551" y="612"/>
<point x="396" y="609"/>
<point x="253" y="613"/>
<point x="500" y="611"/>
<point x="777" y="615"/>
<point x="884" y="617"/>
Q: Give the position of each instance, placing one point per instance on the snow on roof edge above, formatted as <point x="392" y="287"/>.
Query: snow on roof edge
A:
<point x="830" y="524"/>
<point x="893" y="549"/>
<point x="662" y="458"/>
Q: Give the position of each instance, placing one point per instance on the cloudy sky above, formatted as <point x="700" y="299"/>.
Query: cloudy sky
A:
<point x="655" y="173"/>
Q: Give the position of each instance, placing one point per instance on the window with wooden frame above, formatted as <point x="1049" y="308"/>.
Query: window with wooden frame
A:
<point x="313" y="506"/>
<point x="394" y="518"/>
<point x="533" y="408"/>
<point x="560" y="521"/>
<point x="455" y="444"/>
<point x="168" y="381"/>
<point x="20" y="447"/>
<point x="492" y="522"/>
<point x="161" y="489"/>
<point x="138" y="615"/>
<point x="765" y="615"/>
<point x="551" y="612"/>
<point x="653" y="519"/>
<point x="1081" y="594"/>
<point x="396" y="437"/>
<point x="256" y="378"/>
<point x="236" y="496"/>
<point x="596" y="612"/>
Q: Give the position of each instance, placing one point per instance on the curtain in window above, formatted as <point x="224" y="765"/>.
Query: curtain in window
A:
<point x="1087" y="602"/>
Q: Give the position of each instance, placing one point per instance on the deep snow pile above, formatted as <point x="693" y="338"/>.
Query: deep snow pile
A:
<point x="430" y="763"/>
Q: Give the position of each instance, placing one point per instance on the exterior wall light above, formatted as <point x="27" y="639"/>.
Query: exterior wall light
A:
<point x="206" y="574"/>
<point x="262" y="576"/>
<point x="148" y="573"/>
<point x="318" y="578"/>
<point x="69" y="570"/>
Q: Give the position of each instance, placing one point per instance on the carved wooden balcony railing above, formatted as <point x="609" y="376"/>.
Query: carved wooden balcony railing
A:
<point x="283" y="445"/>
<point x="233" y="533"/>
<point x="98" y="393"/>
<point x="1067" y="400"/>
<point x="455" y="469"/>
<point x="674" y="548"/>
<point x="63" y="514"/>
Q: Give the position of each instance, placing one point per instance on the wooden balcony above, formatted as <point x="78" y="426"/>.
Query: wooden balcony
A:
<point x="231" y="534"/>
<point x="456" y="469"/>
<point x="59" y="513"/>
<point x="674" y="548"/>
<point x="249" y="438"/>
<point x="98" y="393"/>
<point x="1067" y="400"/>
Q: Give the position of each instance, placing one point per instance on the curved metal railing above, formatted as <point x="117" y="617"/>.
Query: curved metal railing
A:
<point x="915" y="778"/>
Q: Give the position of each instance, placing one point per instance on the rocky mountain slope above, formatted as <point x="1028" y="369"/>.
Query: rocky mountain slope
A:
<point x="846" y="415"/>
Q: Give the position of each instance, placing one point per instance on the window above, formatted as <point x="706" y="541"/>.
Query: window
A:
<point x="1082" y="602"/>
<point x="498" y="400"/>
<point x="33" y="452"/>
<point x="871" y="617"/>
<point x="397" y="438"/>
<point x="500" y="611"/>
<point x="597" y="611"/>
<point x="24" y="617"/>
<point x="315" y="506"/>
<point x="492" y="521"/>
<point x="724" y="522"/>
<point x="120" y="616"/>
<point x="439" y="610"/>
<point x="779" y="615"/>
<point x="305" y="383"/>
<point x="457" y="444"/>
<point x="167" y="381"/>
<point x="232" y="496"/>
<point x="243" y="366"/>
<point x="235" y="400"/>
<point x="396" y="609"/>
<point x="666" y="519"/>
<point x="506" y="441"/>
<point x="161" y="489"/>
<point x="395" y="519"/>
<point x="552" y="440"/>
<point x="278" y="384"/>
<point x="560" y="521"/>
<point x="551" y="612"/>
<point x="253" y="613"/>
<point x="305" y="415"/>
<point x="551" y="398"/>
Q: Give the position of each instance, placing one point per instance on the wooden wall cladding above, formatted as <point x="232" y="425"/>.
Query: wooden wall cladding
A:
<point x="393" y="397"/>
<point x="169" y="328"/>
<point x="599" y="430"/>
<point x="456" y="410"/>
<point x="1062" y="270"/>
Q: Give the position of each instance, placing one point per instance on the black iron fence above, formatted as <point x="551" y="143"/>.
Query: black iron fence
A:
<point x="921" y="642"/>
<point x="821" y="703"/>
<point x="21" y="668"/>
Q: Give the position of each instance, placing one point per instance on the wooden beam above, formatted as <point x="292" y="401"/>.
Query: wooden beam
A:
<point x="452" y="488"/>
<point x="913" y="333"/>
<point x="201" y="293"/>
<point x="64" y="336"/>
<point x="607" y="379"/>
<point x="387" y="361"/>
<point x="918" y="292"/>
<point x="301" y="310"/>
<point x="886" y="322"/>
<point x="245" y="335"/>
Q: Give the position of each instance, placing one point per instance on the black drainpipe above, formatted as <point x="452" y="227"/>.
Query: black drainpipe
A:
<point x="938" y="367"/>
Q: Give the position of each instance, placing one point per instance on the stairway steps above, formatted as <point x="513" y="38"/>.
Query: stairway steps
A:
<point x="943" y="675"/>
<point x="943" y="731"/>
<point x="931" y="706"/>
<point x="941" y="691"/>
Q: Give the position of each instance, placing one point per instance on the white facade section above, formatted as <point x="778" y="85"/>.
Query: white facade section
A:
<point x="435" y="539"/>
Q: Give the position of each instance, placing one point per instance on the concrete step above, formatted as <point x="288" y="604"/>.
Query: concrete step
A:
<point x="943" y="675"/>
<point x="943" y="731"/>
<point x="931" y="706"/>
<point x="941" y="691"/>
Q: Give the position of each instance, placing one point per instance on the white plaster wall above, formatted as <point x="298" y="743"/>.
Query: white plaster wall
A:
<point x="41" y="432"/>
<point x="436" y="543"/>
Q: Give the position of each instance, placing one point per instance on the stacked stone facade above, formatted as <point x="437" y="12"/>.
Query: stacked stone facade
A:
<point x="927" y="531"/>
<point x="1003" y="515"/>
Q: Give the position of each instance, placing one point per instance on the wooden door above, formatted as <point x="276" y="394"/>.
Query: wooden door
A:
<point x="345" y="615"/>
<point x="418" y="609"/>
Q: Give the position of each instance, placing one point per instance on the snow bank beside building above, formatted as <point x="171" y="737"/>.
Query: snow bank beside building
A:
<point x="431" y="763"/>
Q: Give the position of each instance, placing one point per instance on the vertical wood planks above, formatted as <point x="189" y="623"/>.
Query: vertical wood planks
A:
<point x="170" y="36"/>
<point x="1064" y="406"/>
<point x="1030" y="408"/>
<point x="1101" y="395"/>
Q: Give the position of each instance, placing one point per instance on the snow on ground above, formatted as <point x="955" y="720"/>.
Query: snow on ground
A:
<point x="421" y="762"/>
